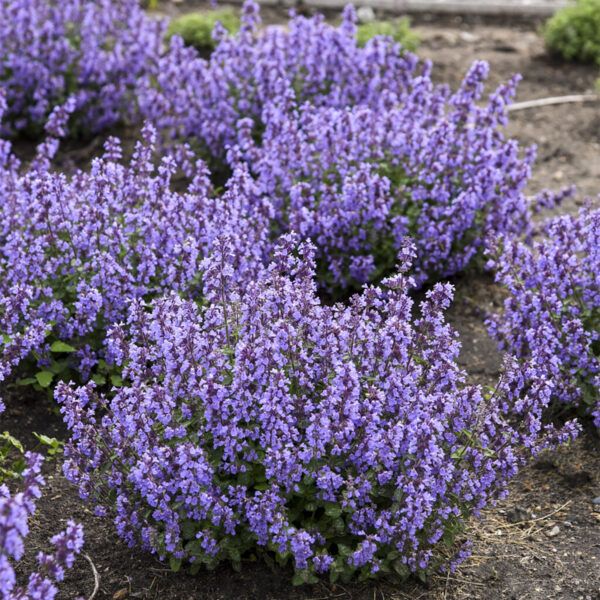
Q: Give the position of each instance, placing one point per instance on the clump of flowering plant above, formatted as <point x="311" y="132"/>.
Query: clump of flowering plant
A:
<point x="552" y="314"/>
<point x="340" y="438"/>
<point x="15" y="511"/>
<point x="192" y="97"/>
<point x="93" y="50"/>
<point x="357" y="180"/>
<point x="75" y="250"/>
<point x="355" y="146"/>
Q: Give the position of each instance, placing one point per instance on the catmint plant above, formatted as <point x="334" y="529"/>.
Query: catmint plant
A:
<point x="74" y="250"/>
<point x="15" y="510"/>
<point x="342" y="439"/>
<point x="204" y="99"/>
<point x="357" y="180"/>
<point x="552" y="313"/>
<point x="356" y="147"/>
<point x="92" y="50"/>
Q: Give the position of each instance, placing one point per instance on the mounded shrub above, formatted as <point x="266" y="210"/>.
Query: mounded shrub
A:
<point x="93" y="50"/>
<point x="340" y="438"/>
<point x="552" y="314"/>
<point x="356" y="147"/>
<point x="574" y="31"/>
<point x="196" y="29"/>
<point x="357" y="180"/>
<point x="398" y="29"/>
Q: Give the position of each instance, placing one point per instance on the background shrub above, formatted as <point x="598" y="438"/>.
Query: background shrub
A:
<point x="398" y="29"/>
<point x="341" y="438"/>
<point x="553" y="312"/>
<point x="574" y="31"/>
<point x="196" y="29"/>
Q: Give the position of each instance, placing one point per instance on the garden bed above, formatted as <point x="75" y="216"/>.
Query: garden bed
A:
<point x="543" y="541"/>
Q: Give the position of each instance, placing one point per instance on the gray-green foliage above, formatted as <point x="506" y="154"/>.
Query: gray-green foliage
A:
<point x="574" y="32"/>
<point x="196" y="28"/>
<point x="399" y="29"/>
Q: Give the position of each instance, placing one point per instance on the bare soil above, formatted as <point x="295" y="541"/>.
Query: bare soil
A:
<point x="543" y="541"/>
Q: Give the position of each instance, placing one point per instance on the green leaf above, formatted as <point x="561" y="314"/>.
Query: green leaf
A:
<point x="116" y="380"/>
<point x="12" y="441"/>
<point x="99" y="379"/>
<point x="189" y="529"/>
<point x="401" y="569"/>
<point x="45" y="439"/>
<point x="44" y="378"/>
<point x="245" y="478"/>
<point x="448" y="539"/>
<point x="333" y="510"/>
<point x="339" y="525"/>
<point x="59" y="346"/>
<point x="458" y="453"/>
<point x="27" y="381"/>
<point x="53" y="443"/>
<point x="195" y="548"/>
<point x="298" y="579"/>
<point x="175" y="564"/>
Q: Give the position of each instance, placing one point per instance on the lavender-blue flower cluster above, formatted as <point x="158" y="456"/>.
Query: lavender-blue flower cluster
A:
<point x="74" y="251"/>
<point x="356" y="180"/>
<point x="192" y="97"/>
<point x="552" y="314"/>
<point x="341" y="437"/>
<point x="15" y="511"/>
<point x="356" y="147"/>
<point x="94" y="50"/>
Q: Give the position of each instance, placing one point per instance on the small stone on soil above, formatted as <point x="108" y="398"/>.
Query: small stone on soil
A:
<point x="365" y="14"/>
<point x="468" y="37"/>
<point x="553" y="532"/>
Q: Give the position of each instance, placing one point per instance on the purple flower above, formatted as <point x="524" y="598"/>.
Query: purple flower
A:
<point x="551" y="315"/>
<point x="14" y="513"/>
<point x="325" y="433"/>
<point x="91" y="52"/>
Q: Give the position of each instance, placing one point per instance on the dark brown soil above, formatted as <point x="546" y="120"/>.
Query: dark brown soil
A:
<point x="543" y="541"/>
